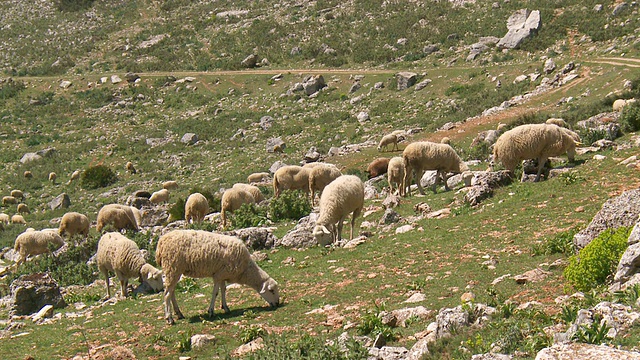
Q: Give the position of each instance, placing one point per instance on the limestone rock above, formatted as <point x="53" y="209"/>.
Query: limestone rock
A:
<point x="313" y="83"/>
<point x="30" y="293"/>
<point x="300" y="236"/>
<point x="61" y="201"/>
<point x="189" y="138"/>
<point x="250" y="61"/>
<point x="585" y="351"/>
<point x="199" y="341"/>
<point x="406" y="79"/>
<point x="255" y="238"/>
<point x="521" y="24"/>
<point x="275" y="145"/>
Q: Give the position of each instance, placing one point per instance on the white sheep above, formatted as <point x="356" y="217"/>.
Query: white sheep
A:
<point x="130" y="168"/>
<point x="34" y="242"/>
<point x="73" y="223"/>
<point x="258" y="177"/>
<point x="258" y="196"/>
<point x="344" y="196"/>
<point x="17" y="194"/>
<point x="23" y="209"/>
<point x="389" y="139"/>
<point x="160" y="196"/>
<point x="534" y="141"/>
<point x="4" y="218"/>
<point x="74" y="176"/>
<point x="424" y="155"/>
<point x="9" y="200"/>
<point x="137" y="214"/>
<point x="18" y="219"/>
<point x="170" y="185"/>
<point x="202" y="254"/>
<point x="122" y="256"/>
<point x="291" y="177"/>
<point x="558" y="121"/>
<point x="232" y="200"/>
<point x="445" y="140"/>
<point x="395" y="175"/>
<point x="119" y="216"/>
<point x="53" y="177"/>
<point x="28" y="175"/>
<point x="195" y="208"/>
<point x="320" y="177"/>
<point x="619" y="104"/>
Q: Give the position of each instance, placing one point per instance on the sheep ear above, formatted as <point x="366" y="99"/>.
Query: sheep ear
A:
<point x="325" y="230"/>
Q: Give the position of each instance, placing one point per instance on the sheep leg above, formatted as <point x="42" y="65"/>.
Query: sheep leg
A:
<point x="445" y="177"/>
<point x="419" y="174"/>
<point x="355" y="214"/>
<point x="406" y="179"/>
<point x="170" y="298"/>
<point x="541" y="161"/>
<point x="214" y="294"/>
<point x="106" y="276"/>
<point x="223" y="297"/>
<point x="340" y="225"/>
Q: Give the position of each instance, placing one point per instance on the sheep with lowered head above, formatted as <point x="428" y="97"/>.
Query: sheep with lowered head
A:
<point x="534" y="141"/>
<point x="23" y="209"/>
<point x="258" y="196"/>
<point x="619" y="104"/>
<point x="201" y="254"/>
<point x="377" y="167"/>
<point x="291" y="177"/>
<point x="258" y="177"/>
<point x="343" y="196"/>
<point x="424" y="155"/>
<point x="35" y="242"/>
<point x="320" y="177"/>
<point x="18" y="219"/>
<point x="4" y="218"/>
<point x="119" y="216"/>
<point x="195" y="208"/>
<point x="74" y="176"/>
<point x="395" y="175"/>
<point x="9" y="200"/>
<point x="122" y="256"/>
<point x="130" y="168"/>
<point x="53" y="177"/>
<point x="558" y="121"/>
<point x="232" y="200"/>
<point x="73" y="223"/>
<point x="28" y="175"/>
<point x="17" y="194"/>
<point x="160" y="196"/>
<point x="389" y="139"/>
<point x="170" y="185"/>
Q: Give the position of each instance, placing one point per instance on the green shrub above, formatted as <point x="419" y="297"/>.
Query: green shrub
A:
<point x="249" y="215"/>
<point x="212" y="198"/>
<point x="97" y="176"/>
<point x="589" y="136"/>
<point x="561" y="243"/>
<point x="372" y="324"/>
<point x="291" y="204"/>
<point x="593" y="264"/>
<point x="176" y="211"/>
<point x="11" y="88"/>
<point x="630" y="118"/>
<point x="251" y="333"/>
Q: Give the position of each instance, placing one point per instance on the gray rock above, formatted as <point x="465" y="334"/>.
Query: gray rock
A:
<point x="521" y="24"/>
<point x="423" y="84"/>
<point x="30" y="293"/>
<point x="300" y="236"/>
<point x="61" y="201"/>
<point x="483" y="184"/>
<point x="200" y="341"/>
<point x="585" y="351"/>
<point x="255" y="238"/>
<point x="275" y="145"/>
<point x="619" y="8"/>
<point x="275" y="166"/>
<point x="379" y="85"/>
<point x="549" y="66"/>
<point x="65" y="84"/>
<point x="391" y="201"/>
<point x="634" y="237"/>
<point x="390" y="216"/>
<point x="250" y="61"/>
<point x="313" y="83"/>
<point x="131" y="77"/>
<point x="29" y="157"/>
<point x="491" y="356"/>
<point x="363" y="116"/>
<point x="597" y="8"/>
<point x="189" y="138"/>
<point x="406" y="79"/>
<point x="420" y="349"/>
<point x="312" y="155"/>
<point x="387" y="353"/>
<point x="616" y="212"/>
<point x="568" y="68"/>
<point x="138" y="202"/>
<point x="355" y="87"/>
<point x="142" y="194"/>
<point x="430" y="49"/>
<point x="266" y="122"/>
<point x="115" y="79"/>
<point x="629" y="262"/>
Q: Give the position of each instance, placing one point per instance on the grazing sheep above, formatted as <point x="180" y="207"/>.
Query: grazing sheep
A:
<point x="489" y="136"/>
<point x="377" y="167"/>
<point x="28" y="175"/>
<point x="195" y="208"/>
<point x="119" y="216"/>
<point x="534" y="141"/>
<point x="258" y="196"/>
<point x="170" y="185"/>
<point x="53" y="177"/>
<point x="73" y="223"/>
<point x="74" y="176"/>
<point x="34" y="242"/>
<point x="424" y="155"/>
<point x="320" y="177"/>
<point x="258" y="177"/>
<point x="137" y="215"/>
<point x="9" y="200"/>
<point x="130" y="168"/>
<point x="279" y="148"/>
<point x="122" y="256"/>
<point x="232" y="200"/>
<point x="18" y="219"/>
<point x="160" y="196"/>
<point x="345" y="195"/>
<point x="445" y="140"/>
<point x="395" y="175"/>
<point x="291" y="177"/>
<point x="387" y="140"/>
<point x="17" y="194"/>
<point x="203" y="254"/>
<point x="619" y="104"/>
<point x="4" y="218"/>
<point x="23" y="209"/>
<point x="558" y="121"/>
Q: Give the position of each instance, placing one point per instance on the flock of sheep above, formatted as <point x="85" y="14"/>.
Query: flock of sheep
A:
<point x="226" y="258"/>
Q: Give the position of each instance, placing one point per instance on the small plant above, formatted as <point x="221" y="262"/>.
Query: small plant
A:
<point x="561" y="243"/>
<point x="597" y="260"/>
<point x="289" y="205"/>
<point x="417" y="285"/>
<point x="372" y="324"/>
<point x="249" y="215"/>
<point x="569" y="314"/>
<point x="184" y="344"/>
<point x="97" y="177"/>
<point x="251" y="333"/>
<point x="589" y="136"/>
<point x="629" y="296"/>
<point x="176" y="211"/>
<point x="571" y="177"/>
<point x="595" y="333"/>
<point x="507" y="309"/>
<point x="187" y="285"/>
<point x="249" y="314"/>
<point x="630" y="118"/>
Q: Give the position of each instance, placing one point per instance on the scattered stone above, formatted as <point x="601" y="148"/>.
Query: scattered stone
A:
<point x="301" y="235"/>
<point x="500" y="279"/>
<point x="363" y="116"/>
<point x="313" y="83"/>
<point x="422" y="208"/>
<point x="132" y="77"/>
<point x="65" y="84"/>
<point x="45" y="312"/>
<point x="248" y="348"/>
<point x="549" y="66"/>
<point x="189" y="138"/>
<point x="423" y="84"/>
<point x="430" y="49"/>
<point x="61" y="201"/>
<point x="387" y="353"/>
<point x="391" y="201"/>
<point x="521" y="24"/>
<point x="390" y="216"/>
<point x="406" y="79"/>
<point x="577" y="350"/>
<point x="355" y="87"/>
<point x="403" y="229"/>
<point x="115" y="79"/>
<point x="255" y="238"/>
<point x="29" y="157"/>
<point x="250" y="61"/>
<point x="30" y="293"/>
<point x="199" y="341"/>
<point x="417" y="297"/>
<point x="275" y="166"/>
<point x="533" y="276"/>
<point x="275" y="145"/>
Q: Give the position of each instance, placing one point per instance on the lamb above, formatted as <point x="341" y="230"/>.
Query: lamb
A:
<point x="18" y="219"/>
<point x="28" y="175"/>
<point x="17" y="194"/>
<point x="232" y="200"/>
<point x="619" y="104"/>
<point x="73" y="223"/>
<point x="291" y="177"/>
<point x="445" y="140"/>
<point x="200" y="254"/>
<point x="4" y="218"/>
<point x="130" y="168"/>
<point x="377" y="167"/>
<point x="9" y="200"/>
<point x="74" y="176"/>
<point x="34" y="242"/>
<point x="160" y="196"/>
<point x="122" y="256"/>
<point x="119" y="216"/>
<point x="53" y="177"/>
<point x="424" y="155"/>
<point x="258" y="196"/>
<point x="320" y="177"/>
<point x="258" y="177"/>
<point x="395" y="175"/>
<point x="170" y="185"/>
<point x="23" y="209"/>
<point x="195" y="208"/>
<point x="345" y="195"/>
<point x="533" y="141"/>
<point x="387" y="140"/>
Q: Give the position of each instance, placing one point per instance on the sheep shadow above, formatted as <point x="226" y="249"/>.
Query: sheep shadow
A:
<point x="221" y="315"/>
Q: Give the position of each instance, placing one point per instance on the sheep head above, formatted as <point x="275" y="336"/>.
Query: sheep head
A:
<point x="322" y="235"/>
<point x="270" y="292"/>
<point x="151" y="276"/>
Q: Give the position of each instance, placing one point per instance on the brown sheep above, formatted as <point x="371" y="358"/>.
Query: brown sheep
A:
<point x="378" y="167"/>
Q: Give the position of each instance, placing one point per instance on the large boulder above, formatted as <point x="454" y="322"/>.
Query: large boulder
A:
<point x="61" y="201"/>
<point x="313" y="83"/>
<point x="521" y="24"/>
<point x="255" y="238"/>
<point x="585" y="351"/>
<point x="616" y="212"/>
<point x="300" y="236"/>
<point x="406" y="79"/>
<point x="30" y="293"/>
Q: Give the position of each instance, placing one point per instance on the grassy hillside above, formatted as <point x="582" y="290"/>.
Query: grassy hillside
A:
<point x="189" y="84"/>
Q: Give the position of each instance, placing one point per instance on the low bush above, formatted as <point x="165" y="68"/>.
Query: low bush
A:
<point x="291" y="204"/>
<point x="98" y="176"/>
<point x="249" y="215"/>
<point x="630" y="118"/>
